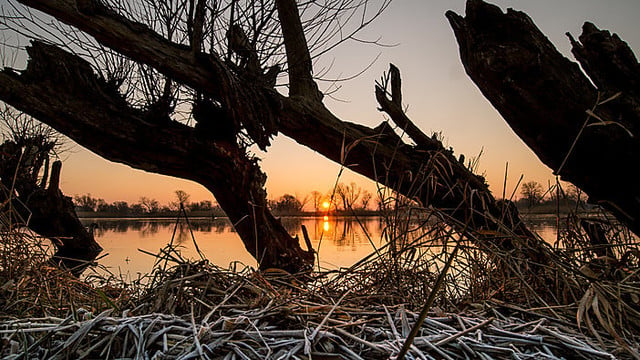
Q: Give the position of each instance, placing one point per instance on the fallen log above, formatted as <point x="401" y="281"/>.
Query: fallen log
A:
<point x="587" y="134"/>
<point x="45" y="210"/>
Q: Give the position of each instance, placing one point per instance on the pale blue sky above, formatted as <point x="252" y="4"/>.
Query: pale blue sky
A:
<point x="438" y="93"/>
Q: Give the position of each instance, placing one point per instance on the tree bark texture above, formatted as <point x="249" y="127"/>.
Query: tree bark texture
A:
<point x="587" y="134"/>
<point x="45" y="210"/>
<point x="61" y="90"/>
<point x="425" y="172"/>
<point x="428" y="172"/>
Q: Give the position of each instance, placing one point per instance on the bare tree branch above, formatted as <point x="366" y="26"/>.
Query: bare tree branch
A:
<point x="61" y="90"/>
<point x="300" y="68"/>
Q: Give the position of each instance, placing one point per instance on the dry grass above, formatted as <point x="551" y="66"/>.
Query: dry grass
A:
<point x="492" y="303"/>
<point x="32" y="285"/>
<point x="194" y="309"/>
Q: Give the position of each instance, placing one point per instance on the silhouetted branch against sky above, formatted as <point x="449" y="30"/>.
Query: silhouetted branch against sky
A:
<point x="438" y="94"/>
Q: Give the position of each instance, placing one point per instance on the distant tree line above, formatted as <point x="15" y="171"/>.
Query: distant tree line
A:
<point x="535" y="196"/>
<point x="145" y="206"/>
<point x="349" y="198"/>
<point x="344" y="198"/>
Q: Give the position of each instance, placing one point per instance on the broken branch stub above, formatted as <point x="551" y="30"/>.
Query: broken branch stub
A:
<point x="553" y="107"/>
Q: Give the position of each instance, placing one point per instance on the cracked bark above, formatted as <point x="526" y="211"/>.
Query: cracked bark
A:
<point x="427" y="172"/>
<point x="45" y="210"/>
<point x="545" y="98"/>
<point x="61" y="90"/>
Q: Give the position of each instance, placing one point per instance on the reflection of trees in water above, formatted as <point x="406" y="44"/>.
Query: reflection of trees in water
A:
<point x="182" y="233"/>
<point x="346" y="231"/>
<point x="151" y="228"/>
<point x="148" y="228"/>
<point x="101" y="226"/>
<point x="341" y="231"/>
<point x="98" y="230"/>
<point x="400" y="230"/>
<point x="351" y="232"/>
<point x="538" y="222"/>
<point x="221" y="225"/>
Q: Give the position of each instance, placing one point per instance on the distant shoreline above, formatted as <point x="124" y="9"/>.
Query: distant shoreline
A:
<point x="210" y="215"/>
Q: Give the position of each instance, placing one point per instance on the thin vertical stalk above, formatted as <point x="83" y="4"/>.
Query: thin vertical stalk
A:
<point x="427" y="305"/>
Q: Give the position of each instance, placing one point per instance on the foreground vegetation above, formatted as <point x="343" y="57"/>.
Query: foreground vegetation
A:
<point x="343" y="200"/>
<point x="488" y="302"/>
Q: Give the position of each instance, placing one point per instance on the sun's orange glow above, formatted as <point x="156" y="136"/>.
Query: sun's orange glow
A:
<point x="325" y="204"/>
<point x="326" y="226"/>
<point x="326" y="218"/>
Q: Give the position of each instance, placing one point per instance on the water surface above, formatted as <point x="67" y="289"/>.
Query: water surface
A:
<point x="340" y="242"/>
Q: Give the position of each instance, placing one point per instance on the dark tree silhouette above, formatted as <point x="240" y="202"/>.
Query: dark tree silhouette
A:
<point x="219" y="59"/>
<point x="532" y="192"/>
<point x="584" y="128"/>
<point x="288" y="203"/>
<point x="30" y="193"/>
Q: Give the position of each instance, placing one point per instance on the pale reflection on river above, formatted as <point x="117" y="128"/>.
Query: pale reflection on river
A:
<point x="341" y="241"/>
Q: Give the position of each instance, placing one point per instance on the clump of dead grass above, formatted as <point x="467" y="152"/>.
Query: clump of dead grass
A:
<point x="588" y="305"/>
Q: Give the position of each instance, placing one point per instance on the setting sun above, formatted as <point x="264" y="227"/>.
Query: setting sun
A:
<point x="249" y="166"/>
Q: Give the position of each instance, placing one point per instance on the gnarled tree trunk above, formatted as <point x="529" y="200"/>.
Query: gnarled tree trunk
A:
<point x="589" y="135"/>
<point x="45" y="210"/>
<point x="61" y="90"/>
<point x="425" y="172"/>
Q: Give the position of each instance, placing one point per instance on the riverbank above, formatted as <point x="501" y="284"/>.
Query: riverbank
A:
<point x="488" y="303"/>
<point x="217" y="213"/>
<point x="193" y="309"/>
<point x="275" y="319"/>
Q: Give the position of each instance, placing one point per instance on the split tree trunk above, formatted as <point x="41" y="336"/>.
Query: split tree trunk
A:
<point x="588" y="135"/>
<point x="45" y="210"/>
<point x="61" y="90"/>
<point x="425" y="172"/>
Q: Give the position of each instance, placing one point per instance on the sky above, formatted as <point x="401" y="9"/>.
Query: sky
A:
<point x="439" y="95"/>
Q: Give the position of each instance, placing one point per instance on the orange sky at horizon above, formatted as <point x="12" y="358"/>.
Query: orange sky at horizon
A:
<point x="438" y="94"/>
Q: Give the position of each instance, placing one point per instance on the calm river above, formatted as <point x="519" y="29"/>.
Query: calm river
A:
<point x="340" y="241"/>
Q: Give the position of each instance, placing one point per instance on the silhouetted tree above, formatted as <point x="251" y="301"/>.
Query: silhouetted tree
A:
<point x="102" y="206"/>
<point x="183" y="197"/>
<point x="121" y="207"/>
<point x="316" y="200"/>
<point x="348" y="195"/>
<point x="205" y="205"/>
<point x="532" y="192"/>
<point x="288" y="203"/>
<point x="365" y="199"/>
<point x="150" y="206"/>
<point x="580" y="120"/>
<point x="30" y="195"/>
<point x="85" y="202"/>
<point x="222" y="63"/>
<point x="136" y="209"/>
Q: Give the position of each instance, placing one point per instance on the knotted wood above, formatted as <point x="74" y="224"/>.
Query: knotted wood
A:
<point x="587" y="134"/>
